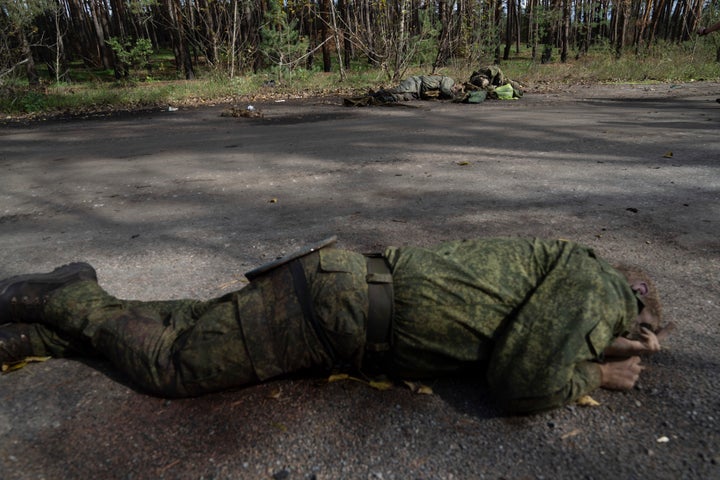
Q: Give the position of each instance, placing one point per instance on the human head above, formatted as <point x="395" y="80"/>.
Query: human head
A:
<point x="458" y="89"/>
<point x="650" y="314"/>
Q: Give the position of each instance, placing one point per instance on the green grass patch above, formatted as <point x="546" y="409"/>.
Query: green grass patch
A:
<point x="95" y="90"/>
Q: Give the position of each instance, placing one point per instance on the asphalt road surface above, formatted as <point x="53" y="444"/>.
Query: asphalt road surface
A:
<point x="181" y="204"/>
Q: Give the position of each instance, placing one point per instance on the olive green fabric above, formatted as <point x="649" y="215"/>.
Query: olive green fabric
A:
<point x="418" y="87"/>
<point x="46" y="341"/>
<point x="532" y="315"/>
<point x="492" y="80"/>
<point x="187" y="347"/>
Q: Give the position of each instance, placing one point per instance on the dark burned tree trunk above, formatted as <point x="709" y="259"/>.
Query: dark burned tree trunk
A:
<point x="565" y="31"/>
<point x="325" y="35"/>
<point x="509" y="29"/>
<point x="344" y="9"/>
<point x="103" y="50"/>
<point x="179" y="39"/>
<point x="444" y="38"/>
<point x="621" y="26"/>
<point x="498" y="23"/>
<point x="550" y="36"/>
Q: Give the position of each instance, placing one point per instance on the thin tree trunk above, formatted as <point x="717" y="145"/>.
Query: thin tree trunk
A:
<point x="30" y="70"/>
<point x="182" y="53"/>
<point x="564" y="37"/>
<point x="444" y="36"/>
<point x="233" y="39"/>
<point x="509" y="29"/>
<point x="327" y="58"/>
<point x="341" y="64"/>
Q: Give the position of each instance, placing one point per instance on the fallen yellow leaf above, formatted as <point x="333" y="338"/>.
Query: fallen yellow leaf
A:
<point x="668" y="155"/>
<point x="419" y="388"/>
<point x="12" y="366"/>
<point x="587" y="401"/>
<point x="381" y="384"/>
<point x="378" y="383"/>
<point x="337" y="377"/>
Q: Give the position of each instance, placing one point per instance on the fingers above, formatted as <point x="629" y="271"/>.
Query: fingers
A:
<point x="649" y="340"/>
<point x="653" y="340"/>
<point x="633" y="371"/>
<point x="635" y="364"/>
<point x="621" y="375"/>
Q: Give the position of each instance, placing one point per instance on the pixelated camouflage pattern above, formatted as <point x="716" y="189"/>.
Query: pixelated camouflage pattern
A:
<point x="280" y="340"/>
<point x="421" y="87"/>
<point x="532" y="314"/>
<point x="188" y="347"/>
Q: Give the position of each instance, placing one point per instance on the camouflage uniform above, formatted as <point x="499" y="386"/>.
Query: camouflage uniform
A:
<point x="419" y="87"/>
<point x="188" y="347"/>
<point x="491" y="80"/>
<point x="531" y="315"/>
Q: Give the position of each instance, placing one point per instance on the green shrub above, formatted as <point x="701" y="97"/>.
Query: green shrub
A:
<point x="132" y="54"/>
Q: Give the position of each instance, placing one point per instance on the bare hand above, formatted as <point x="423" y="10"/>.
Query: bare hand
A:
<point x="621" y="375"/>
<point x="649" y="342"/>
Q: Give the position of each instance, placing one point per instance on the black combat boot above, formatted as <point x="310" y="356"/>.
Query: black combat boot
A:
<point x="22" y="297"/>
<point x="16" y="342"/>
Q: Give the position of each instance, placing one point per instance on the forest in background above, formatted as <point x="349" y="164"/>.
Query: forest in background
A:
<point x="239" y="37"/>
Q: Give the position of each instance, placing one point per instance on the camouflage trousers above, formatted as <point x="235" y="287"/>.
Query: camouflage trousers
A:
<point x="187" y="347"/>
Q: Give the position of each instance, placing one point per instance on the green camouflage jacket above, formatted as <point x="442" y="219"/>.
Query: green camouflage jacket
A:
<point x="534" y="314"/>
<point x="423" y="87"/>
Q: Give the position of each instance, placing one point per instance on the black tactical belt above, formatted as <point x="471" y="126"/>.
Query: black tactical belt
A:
<point x="302" y="291"/>
<point x="380" y="311"/>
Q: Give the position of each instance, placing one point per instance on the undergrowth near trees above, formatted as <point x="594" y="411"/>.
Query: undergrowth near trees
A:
<point x="99" y="91"/>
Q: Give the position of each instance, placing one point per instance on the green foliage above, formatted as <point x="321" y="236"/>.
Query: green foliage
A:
<point x="481" y="36"/>
<point x="666" y="62"/>
<point x="33" y="102"/>
<point x="15" y="18"/>
<point x="140" y="7"/>
<point x="96" y="90"/>
<point x="281" y="45"/>
<point x="20" y="14"/>
<point x="711" y="15"/>
<point x="132" y="54"/>
<point x="424" y="45"/>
